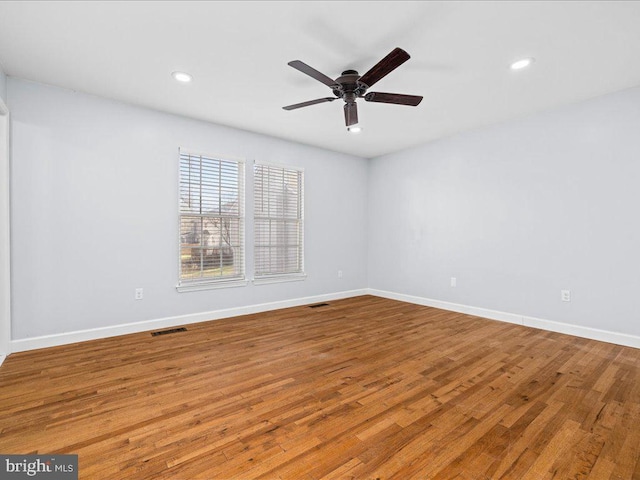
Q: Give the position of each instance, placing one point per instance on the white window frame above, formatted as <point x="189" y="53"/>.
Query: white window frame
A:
<point x="188" y="285"/>
<point x="277" y="277"/>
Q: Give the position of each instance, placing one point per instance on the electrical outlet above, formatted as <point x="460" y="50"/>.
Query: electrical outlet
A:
<point x="565" y="295"/>
<point x="454" y="282"/>
<point x="339" y="273"/>
<point x="139" y="294"/>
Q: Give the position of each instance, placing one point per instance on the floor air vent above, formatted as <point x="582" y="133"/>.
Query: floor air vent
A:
<point x="167" y="332"/>
<point x="318" y="305"/>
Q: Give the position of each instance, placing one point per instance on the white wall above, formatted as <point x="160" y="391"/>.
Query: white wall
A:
<point x="94" y="211"/>
<point x="517" y="212"/>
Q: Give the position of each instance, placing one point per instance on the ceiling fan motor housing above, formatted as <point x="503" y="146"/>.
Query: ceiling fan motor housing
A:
<point x="347" y="86"/>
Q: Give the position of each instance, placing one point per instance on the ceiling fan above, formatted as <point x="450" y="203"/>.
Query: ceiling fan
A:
<point x="350" y="86"/>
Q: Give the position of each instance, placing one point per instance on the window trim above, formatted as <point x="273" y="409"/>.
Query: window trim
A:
<point x="271" y="278"/>
<point x="213" y="283"/>
<point x="279" y="278"/>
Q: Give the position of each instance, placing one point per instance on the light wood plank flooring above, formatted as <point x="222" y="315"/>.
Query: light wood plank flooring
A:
<point x="364" y="388"/>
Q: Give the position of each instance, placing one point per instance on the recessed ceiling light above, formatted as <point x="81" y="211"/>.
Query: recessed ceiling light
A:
<point x="182" y="77"/>
<point x="354" y="129"/>
<point x="524" y="63"/>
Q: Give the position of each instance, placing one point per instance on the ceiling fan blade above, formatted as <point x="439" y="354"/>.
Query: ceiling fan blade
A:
<point x="310" y="102"/>
<point x="397" y="98"/>
<point x="350" y="113"/>
<point x="312" y="72"/>
<point x="385" y="66"/>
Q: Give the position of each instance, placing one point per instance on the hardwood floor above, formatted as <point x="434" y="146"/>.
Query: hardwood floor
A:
<point x="363" y="388"/>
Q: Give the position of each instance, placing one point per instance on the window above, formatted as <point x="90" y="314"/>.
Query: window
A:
<point x="211" y="221"/>
<point x="278" y="222"/>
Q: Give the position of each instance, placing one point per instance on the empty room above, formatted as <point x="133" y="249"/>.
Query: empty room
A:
<point x="319" y="240"/>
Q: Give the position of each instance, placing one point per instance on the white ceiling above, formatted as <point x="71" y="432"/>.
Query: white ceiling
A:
<point x="238" y="53"/>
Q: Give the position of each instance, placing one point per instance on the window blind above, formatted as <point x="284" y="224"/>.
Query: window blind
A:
<point x="211" y="219"/>
<point x="278" y="221"/>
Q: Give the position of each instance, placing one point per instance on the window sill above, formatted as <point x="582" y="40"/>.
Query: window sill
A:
<point x="196" y="287"/>
<point x="296" y="277"/>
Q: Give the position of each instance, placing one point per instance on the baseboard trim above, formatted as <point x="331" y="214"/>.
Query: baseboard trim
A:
<point x="585" y="332"/>
<point x="543" y="324"/>
<point x="46" y="341"/>
<point x="55" y="340"/>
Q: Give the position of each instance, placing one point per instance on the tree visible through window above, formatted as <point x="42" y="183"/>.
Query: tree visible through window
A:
<point x="278" y="221"/>
<point x="211" y="219"/>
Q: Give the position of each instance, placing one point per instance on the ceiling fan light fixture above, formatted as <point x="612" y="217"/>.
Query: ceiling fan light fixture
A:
<point x="182" y="77"/>
<point x="522" y="63"/>
<point x="354" y="129"/>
